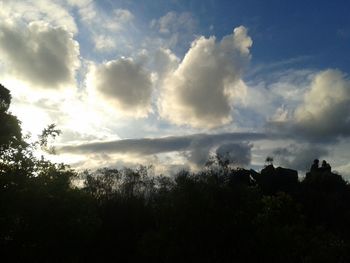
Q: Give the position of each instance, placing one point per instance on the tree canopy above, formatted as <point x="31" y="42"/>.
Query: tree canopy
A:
<point x="10" y="130"/>
<point x="219" y="214"/>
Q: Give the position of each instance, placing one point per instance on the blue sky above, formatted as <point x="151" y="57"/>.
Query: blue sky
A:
<point x="317" y="30"/>
<point x="255" y="78"/>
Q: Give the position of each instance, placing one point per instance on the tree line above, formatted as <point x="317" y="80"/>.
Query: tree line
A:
<point x="219" y="214"/>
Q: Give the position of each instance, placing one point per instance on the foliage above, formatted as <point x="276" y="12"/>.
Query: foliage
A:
<point x="10" y="130"/>
<point x="48" y="133"/>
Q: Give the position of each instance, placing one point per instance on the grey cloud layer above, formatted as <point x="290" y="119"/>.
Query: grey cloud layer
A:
<point x="162" y="145"/>
<point x="39" y="54"/>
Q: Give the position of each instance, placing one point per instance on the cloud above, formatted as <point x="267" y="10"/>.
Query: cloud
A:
<point x="123" y="15"/>
<point x="41" y="55"/>
<point x="124" y="84"/>
<point x="164" y="62"/>
<point x="191" y="151"/>
<point x="109" y="30"/>
<point x="149" y="146"/>
<point x="173" y="22"/>
<point x="299" y="157"/>
<point x="320" y="111"/>
<point x="79" y="3"/>
<point x="175" y="29"/>
<point x="238" y="154"/>
<point x="271" y="99"/>
<point x="104" y="42"/>
<point x="52" y="12"/>
<point x="325" y="111"/>
<point x="200" y="150"/>
<point x="201" y="90"/>
<point x="111" y="20"/>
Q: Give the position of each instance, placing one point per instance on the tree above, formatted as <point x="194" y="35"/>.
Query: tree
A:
<point x="40" y="210"/>
<point x="10" y="130"/>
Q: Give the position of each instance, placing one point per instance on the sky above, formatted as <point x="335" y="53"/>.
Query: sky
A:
<point x="170" y="83"/>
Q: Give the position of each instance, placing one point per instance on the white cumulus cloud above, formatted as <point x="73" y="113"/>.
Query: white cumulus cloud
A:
<point x="325" y="110"/>
<point x="52" y="12"/>
<point x="39" y="54"/>
<point x="200" y="91"/>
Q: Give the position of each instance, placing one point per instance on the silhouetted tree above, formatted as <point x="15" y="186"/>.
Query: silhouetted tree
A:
<point x="10" y="131"/>
<point x="218" y="214"/>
